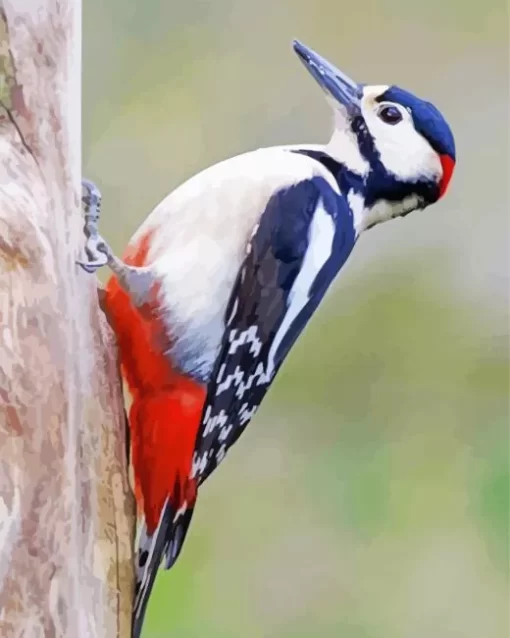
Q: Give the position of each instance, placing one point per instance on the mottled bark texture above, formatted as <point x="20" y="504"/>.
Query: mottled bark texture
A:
<point x="66" y="509"/>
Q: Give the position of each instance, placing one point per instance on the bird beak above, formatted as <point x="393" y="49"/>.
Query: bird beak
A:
<point x="340" y="87"/>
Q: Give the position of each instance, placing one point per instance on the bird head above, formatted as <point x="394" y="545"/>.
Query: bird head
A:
<point x="397" y="150"/>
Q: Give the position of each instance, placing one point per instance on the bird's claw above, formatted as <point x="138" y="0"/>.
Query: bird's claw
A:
<point x="96" y="248"/>
<point x="88" y="266"/>
<point x="92" y="265"/>
<point x="97" y="252"/>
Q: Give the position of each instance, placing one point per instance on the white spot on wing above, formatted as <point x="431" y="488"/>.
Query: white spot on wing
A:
<point x="235" y="377"/>
<point x="246" y="336"/>
<point x="246" y="413"/>
<point x="224" y="432"/>
<point x="320" y="247"/>
<point x="259" y="376"/>
<point x="220" y="455"/>
<point x="221" y="373"/>
<point x="213" y="422"/>
<point x="199" y="464"/>
<point x="233" y="312"/>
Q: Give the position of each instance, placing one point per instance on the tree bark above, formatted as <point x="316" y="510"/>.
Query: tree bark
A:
<point x="66" y="509"/>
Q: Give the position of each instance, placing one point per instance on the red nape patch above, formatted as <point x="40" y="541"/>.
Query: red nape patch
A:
<point x="448" y="164"/>
<point x="167" y="406"/>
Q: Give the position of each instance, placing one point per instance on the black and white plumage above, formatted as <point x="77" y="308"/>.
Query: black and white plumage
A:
<point x="304" y="236"/>
<point x="302" y="240"/>
<point x="244" y="252"/>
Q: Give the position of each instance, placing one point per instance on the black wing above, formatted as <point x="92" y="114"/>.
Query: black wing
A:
<point x="306" y="232"/>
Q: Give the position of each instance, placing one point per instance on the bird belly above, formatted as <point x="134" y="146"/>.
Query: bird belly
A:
<point x="194" y="297"/>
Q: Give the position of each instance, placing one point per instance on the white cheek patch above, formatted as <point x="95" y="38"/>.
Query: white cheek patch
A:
<point x="403" y="151"/>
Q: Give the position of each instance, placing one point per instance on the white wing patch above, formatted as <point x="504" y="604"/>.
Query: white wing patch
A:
<point x="246" y="336"/>
<point x="320" y="248"/>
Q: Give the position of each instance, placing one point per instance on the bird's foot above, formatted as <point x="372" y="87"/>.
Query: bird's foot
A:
<point x="97" y="250"/>
<point x="136" y="281"/>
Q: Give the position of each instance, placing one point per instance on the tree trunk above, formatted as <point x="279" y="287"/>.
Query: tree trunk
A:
<point x="66" y="508"/>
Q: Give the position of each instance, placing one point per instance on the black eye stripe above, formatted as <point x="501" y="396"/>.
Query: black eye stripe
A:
<point x="389" y="114"/>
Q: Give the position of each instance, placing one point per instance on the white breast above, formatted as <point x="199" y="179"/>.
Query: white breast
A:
<point x="200" y="234"/>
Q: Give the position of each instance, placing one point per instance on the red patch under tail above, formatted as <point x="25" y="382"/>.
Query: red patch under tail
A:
<point x="164" y="425"/>
<point x="167" y="406"/>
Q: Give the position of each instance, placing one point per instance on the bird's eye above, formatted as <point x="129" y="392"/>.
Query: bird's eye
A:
<point x="390" y="114"/>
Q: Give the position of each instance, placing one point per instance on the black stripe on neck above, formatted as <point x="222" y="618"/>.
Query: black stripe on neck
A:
<point x="346" y="179"/>
<point x="379" y="184"/>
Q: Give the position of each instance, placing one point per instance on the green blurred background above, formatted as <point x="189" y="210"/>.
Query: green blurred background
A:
<point x="369" y="498"/>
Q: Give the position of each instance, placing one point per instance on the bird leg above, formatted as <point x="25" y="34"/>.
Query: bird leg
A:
<point x="97" y="250"/>
<point x="136" y="281"/>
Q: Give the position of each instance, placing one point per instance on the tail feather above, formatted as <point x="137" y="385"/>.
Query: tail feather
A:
<point x="150" y="552"/>
<point x="177" y="537"/>
<point x="166" y="541"/>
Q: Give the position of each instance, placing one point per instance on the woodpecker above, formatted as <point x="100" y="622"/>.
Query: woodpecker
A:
<point x="224" y="274"/>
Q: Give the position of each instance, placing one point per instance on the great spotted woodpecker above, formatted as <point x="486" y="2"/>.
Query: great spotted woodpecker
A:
<point x="224" y="274"/>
